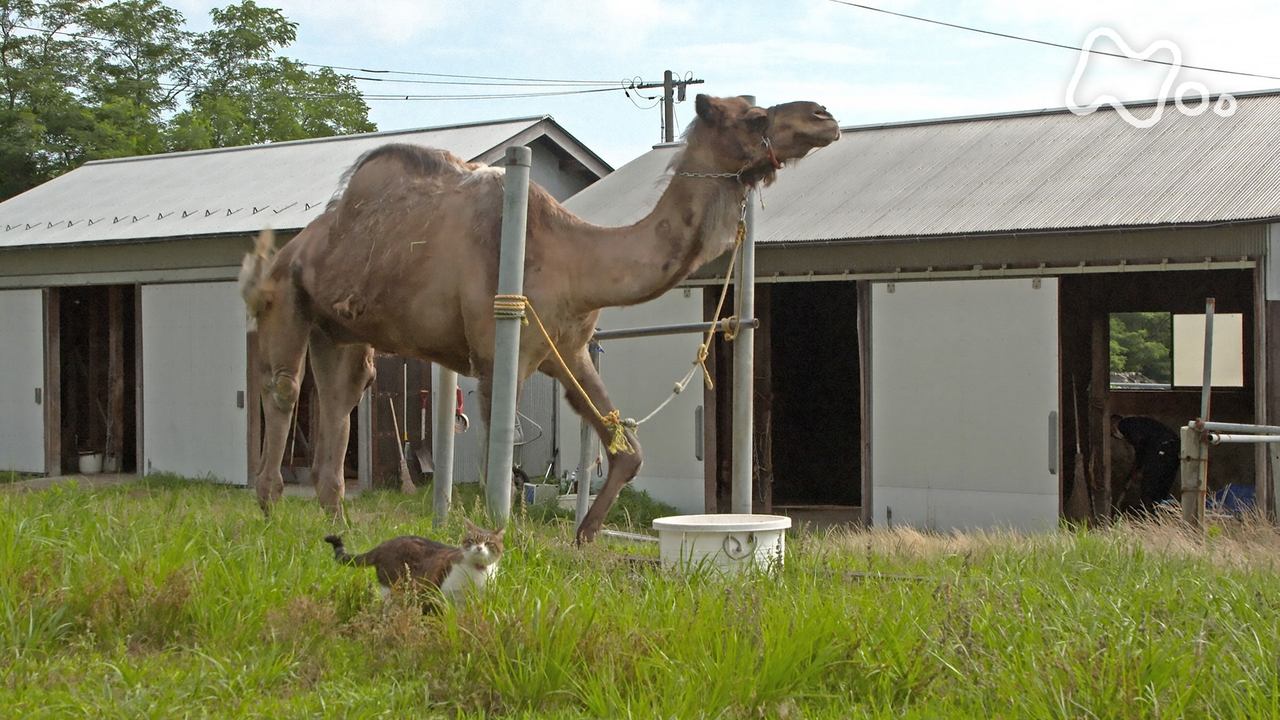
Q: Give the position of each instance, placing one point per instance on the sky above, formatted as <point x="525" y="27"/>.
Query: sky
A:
<point x="866" y="67"/>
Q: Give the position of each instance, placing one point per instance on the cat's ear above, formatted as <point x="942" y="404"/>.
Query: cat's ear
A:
<point x="500" y="533"/>
<point x="471" y="527"/>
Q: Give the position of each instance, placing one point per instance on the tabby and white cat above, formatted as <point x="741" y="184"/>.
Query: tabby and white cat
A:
<point x="410" y="559"/>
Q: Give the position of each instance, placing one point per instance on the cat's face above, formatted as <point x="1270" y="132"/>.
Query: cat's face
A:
<point x="481" y="547"/>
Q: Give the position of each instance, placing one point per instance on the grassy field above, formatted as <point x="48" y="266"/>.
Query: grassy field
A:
<point x="168" y="599"/>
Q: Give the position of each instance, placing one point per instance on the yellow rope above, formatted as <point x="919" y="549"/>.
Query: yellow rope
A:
<point x="728" y="325"/>
<point x="515" y="306"/>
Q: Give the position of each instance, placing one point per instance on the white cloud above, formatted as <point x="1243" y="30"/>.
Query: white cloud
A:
<point x="394" y="22"/>
<point x="615" y="24"/>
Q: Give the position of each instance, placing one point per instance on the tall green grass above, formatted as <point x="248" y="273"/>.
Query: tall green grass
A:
<point x="174" y="599"/>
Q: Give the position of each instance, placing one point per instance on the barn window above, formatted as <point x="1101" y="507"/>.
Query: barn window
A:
<point x="1160" y="350"/>
<point x="1228" y="350"/>
<point x="1140" y="351"/>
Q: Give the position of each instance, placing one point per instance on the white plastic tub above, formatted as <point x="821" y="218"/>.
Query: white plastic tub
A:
<point x="730" y="543"/>
<point x="89" y="463"/>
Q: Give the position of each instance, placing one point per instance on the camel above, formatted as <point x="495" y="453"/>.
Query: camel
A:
<point x="405" y="260"/>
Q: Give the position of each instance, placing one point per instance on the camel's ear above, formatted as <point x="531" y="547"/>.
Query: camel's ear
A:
<point x="757" y="119"/>
<point x="708" y="109"/>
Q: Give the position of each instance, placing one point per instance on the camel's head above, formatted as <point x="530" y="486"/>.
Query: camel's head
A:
<point x="739" y="137"/>
<point x="796" y="128"/>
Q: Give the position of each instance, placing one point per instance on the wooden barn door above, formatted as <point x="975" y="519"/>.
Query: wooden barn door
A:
<point x="964" y="388"/>
<point x="22" y="387"/>
<point x="194" y="348"/>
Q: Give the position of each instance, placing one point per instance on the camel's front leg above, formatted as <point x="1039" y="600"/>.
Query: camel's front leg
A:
<point x="342" y="373"/>
<point x="282" y="346"/>
<point x="623" y="466"/>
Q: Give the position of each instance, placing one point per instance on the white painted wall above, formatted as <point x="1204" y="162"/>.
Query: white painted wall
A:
<point x="193" y="364"/>
<point x="964" y="377"/>
<point x="537" y="399"/>
<point x="639" y="375"/>
<point x="21" y="373"/>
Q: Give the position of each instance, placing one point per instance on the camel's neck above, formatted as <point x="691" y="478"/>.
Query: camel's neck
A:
<point x="694" y="222"/>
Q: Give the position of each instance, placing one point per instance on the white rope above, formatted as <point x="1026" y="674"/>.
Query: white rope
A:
<point x="679" y="388"/>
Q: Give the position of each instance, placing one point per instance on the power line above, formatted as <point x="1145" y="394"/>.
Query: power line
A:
<point x="457" y="78"/>
<point x="467" y="77"/>
<point x="481" y="96"/>
<point x="474" y="83"/>
<point x="1053" y="44"/>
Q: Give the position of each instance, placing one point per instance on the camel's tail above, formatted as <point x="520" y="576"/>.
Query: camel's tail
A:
<point x="255" y="285"/>
<point x="340" y="551"/>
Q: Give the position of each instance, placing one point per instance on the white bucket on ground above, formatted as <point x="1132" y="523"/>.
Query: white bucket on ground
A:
<point x="730" y="543"/>
<point x="90" y="463"/>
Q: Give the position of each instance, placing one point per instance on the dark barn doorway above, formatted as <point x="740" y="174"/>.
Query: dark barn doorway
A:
<point x="808" y="420"/>
<point x="816" y="424"/>
<point x="97" y="360"/>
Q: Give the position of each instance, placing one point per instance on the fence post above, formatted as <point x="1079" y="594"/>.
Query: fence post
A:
<point x="506" y="354"/>
<point x="443" y="411"/>
<point x="743" y="459"/>
<point x="1191" y="478"/>
<point x="586" y="440"/>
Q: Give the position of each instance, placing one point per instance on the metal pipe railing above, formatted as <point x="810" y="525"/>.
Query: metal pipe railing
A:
<point x="674" y="329"/>
<point x="1237" y="428"/>
<point x="1219" y="438"/>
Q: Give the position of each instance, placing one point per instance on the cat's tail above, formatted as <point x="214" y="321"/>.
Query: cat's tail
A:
<point x="340" y="551"/>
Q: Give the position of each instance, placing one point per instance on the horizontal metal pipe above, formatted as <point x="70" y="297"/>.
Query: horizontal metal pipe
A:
<point x="1219" y="438"/>
<point x="665" y="330"/>
<point x="986" y="272"/>
<point x="1238" y="428"/>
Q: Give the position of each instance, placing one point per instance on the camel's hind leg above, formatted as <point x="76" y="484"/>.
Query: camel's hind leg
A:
<point x="341" y="372"/>
<point x="622" y="466"/>
<point x="282" y="346"/>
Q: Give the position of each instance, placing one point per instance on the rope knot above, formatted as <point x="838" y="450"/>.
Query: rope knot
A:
<point x="511" y="306"/>
<point x="618" y="443"/>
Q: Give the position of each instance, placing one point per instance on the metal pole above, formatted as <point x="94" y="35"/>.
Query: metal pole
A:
<point x="506" y="353"/>
<point x="586" y="448"/>
<point x="1215" y="438"/>
<point x="1238" y="428"/>
<point x="668" y="108"/>
<point x="656" y="330"/>
<point x="442" y="431"/>
<point x="1190" y="476"/>
<point x="1208" y="359"/>
<point x="744" y="368"/>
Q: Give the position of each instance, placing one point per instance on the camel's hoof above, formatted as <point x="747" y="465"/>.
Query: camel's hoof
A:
<point x="585" y="535"/>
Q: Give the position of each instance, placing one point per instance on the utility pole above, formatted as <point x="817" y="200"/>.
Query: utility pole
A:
<point x="673" y="90"/>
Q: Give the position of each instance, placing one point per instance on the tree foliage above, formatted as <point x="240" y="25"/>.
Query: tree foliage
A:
<point x="1140" y="343"/>
<point x="84" y="80"/>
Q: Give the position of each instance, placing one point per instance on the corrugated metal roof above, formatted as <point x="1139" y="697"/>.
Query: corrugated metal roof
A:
<point x="230" y="190"/>
<point x="1022" y="172"/>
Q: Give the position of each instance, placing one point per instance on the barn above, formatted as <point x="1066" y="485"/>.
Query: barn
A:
<point x="937" y="302"/>
<point x="123" y="337"/>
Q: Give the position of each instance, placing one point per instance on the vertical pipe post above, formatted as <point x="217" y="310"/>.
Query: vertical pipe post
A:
<point x="1208" y="359"/>
<point x="586" y="445"/>
<point x="506" y="357"/>
<point x="1191" y="476"/>
<point x="364" y="440"/>
<point x="443" y="412"/>
<point x="744" y="367"/>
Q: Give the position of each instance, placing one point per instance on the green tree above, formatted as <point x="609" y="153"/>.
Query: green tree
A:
<point x="244" y="94"/>
<point x="100" y="79"/>
<point x="1140" y="343"/>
